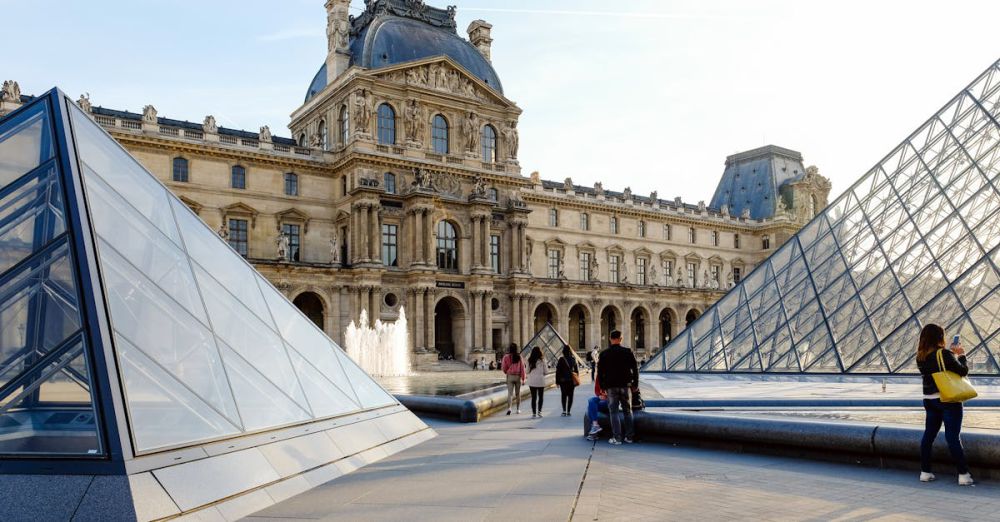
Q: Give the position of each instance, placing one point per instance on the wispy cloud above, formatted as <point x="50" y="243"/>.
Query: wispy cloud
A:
<point x="290" y="34"/>
<point x="616" y="14"/>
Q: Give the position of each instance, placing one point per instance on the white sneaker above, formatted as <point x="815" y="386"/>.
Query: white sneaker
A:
<point x="595" y="429"/>
<point x="965" y="480"/>
<point x="533" y="415"/>
<point x="518" y="411"/>
<point x="926" y="477"/>
<point x="614" y="442"/>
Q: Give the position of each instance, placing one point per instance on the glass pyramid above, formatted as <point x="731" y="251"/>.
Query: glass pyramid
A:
<point x="551" y="344"/>
<point x="120" y="307"/>
<point x="914" y="241"/>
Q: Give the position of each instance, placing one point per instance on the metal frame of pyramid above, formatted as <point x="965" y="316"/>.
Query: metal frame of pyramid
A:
<point x="138" y="350"/>
<point x="914" y="241"/>
<point x="551" y="343"/>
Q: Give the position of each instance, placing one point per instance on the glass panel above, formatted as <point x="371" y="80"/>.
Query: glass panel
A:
<point x="261" y="404"/>
<point x="900" y="348"/>
<point x="856" y="344"/>
<point x="162" y="412"/>
<point x="986" y="314"/>
<point x="326" y="398"/>
<point x="370" y="394"/>
<point x="31" y="214"/>
<point x="25" y="143"/>
<point x="890" y="315"/>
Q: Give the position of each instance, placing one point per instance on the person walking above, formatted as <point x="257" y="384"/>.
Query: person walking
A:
<point x="950" y="413"/>
<point x="595" y="405"/>
<point x="513" y="367"/>
<point x="536" y="380"/>
<point x="567" y="378"/>
<point x="618" y="374"/>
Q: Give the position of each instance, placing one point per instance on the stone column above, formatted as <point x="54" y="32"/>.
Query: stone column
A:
<point x="418" y="230"/>
<point x="429" y="251"/>
<point x="375" y="215"/>
<point x="487" y="321"/>
<point x="363" y="231"/>
<point x="429" y="319"/>
<point x="337" y="331"/>
<point x="515" y="320"/>
<point x="476" y="263"/>
<point x="374" y="310"/>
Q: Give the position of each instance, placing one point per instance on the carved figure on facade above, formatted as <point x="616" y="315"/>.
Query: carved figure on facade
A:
<point x="149" y="114"/>
<point x="568" y="184"/>
<point x="599" y="188"/>
<point x="11" y="92"/>
<point x="594" y="267"/>
<point x="414" y="121"/>
<point x="701" y="206"/>
<point x="511" y="139"/>
<point x="471" y="130"/>
<point x="725" y="210"/>
<point x="654" y="197"/>
<point x="681" y="281"/>
<point x="623" y="273"/>
<point x="652" y="276"/>
<point x="84" y="103"/>
<point x="729" y="280"/>
<point x="223" y="232"/>
<point x="478" y="187"/>
<point x="282" y="242"/>
<point x="265" y="134"/>
<point x="705" y="283"/>
<point x="627" y="194"/>
<point x="362" y="111"/>
<point x="316" y="141"/>
<point x="745" y="214"/>
<point x="338" y="30"/>
<point x="420" y="180"/>
<point x="334" y="249"/>
<point x="208" y="126"/>
<point x="527" y="250"/>
<point x="782" y="207"/>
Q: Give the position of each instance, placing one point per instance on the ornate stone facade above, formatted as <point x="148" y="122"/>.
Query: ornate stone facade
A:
<point x="402" y="188"/>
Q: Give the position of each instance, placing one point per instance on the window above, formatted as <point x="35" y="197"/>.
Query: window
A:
<point x="489" y="144"/>
<point x="494" y="195"/>
<point x="692" y="235"/>
<point x="737" y="274"/>
<point x="301" y="142"/>
<point x="343" y="185"/>
<point x="495" y="253"/>
<point x="390" y="183"/>
<point x="584" y="221"/>
<point x="766" y="242"/>
<point x="181" y="170"/>
<point x="323" y="142"/>
<point x="386" y="125"/>
<point x="390" y="245"/>
<point x="291" y="184"/>
<point x="585" y="274"/>
<point x="640" y="271"/>
<point x="614" y="269"/>
<point x="666" y="233"/>
<point x="668" y="271"/>
<point x="238" y="177"/>
<point x="447" y="246"/>
<point x="715" y="270"/>
<point x="555" y="264"/>
<point x="294" y="241"/>
<point x="642" y="228"/>
<point x="553" y="217"/>
<point x="439" y="134"/>
<point x="736" y="241"/>
<point x="344" y="124"/>
<point x="715" y="238"/>
<point x="692" y="270"/>
<point x="614" y="225"/>
<point x="238" y="236"/>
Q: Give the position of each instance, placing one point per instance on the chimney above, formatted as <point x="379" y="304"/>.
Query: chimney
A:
<point x="338" y="38"/>
<point x="479" y="35"/>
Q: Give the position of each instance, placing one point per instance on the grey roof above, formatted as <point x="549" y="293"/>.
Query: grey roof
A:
<point x="753" y="180"/>
<point x="390" y="32"/>
<point x="184" y="124"/>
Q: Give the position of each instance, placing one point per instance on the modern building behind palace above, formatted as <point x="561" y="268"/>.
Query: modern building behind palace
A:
<point x="402" y="188"/>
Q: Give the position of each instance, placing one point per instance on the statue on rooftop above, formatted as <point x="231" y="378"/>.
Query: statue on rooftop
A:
<point x="149" y="114"/>
<point x="84" y="103"/>
<point x="745" y="214"/>
<point x="209" y="126"/>
<point x="627" y="194"/>
<point x="599" y="188"/>
<point x="568" y="184"/>
<point x="10" y="91"/>
<point x="265" y="134"/>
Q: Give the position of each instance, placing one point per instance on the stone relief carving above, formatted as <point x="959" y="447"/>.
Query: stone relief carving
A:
<point x="362" y="112"/>
<point x="149" y="114"/>
<point x="11" y="92"/>
<point x="445" y="184"/>
<point x="84" y="103"/>
<point x="440" y="77"/>
<point x="478" y="187"/>
<point x="209" y="126"/>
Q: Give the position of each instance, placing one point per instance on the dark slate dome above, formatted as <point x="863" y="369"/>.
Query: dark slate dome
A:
<point x="394" y="35"/>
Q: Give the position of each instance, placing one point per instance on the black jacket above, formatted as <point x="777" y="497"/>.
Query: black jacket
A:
<point x="616" y="368"/>
<point x="564" y="370"/>
<point x="929" y="366"/>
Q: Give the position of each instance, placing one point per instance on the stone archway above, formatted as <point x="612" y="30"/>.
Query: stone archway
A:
<point x="611" y="319"/>
<point x="579" y="323"/>
<point x="639" y="326"/>
<point x="311" y="306"/>
<point x="667" y="322"/>
<point x="544" y="313"/>
<point x="692" y="315"/>
<point x="449" y="329"/>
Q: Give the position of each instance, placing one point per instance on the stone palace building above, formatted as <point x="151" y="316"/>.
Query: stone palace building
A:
<point x="401" y="188"/>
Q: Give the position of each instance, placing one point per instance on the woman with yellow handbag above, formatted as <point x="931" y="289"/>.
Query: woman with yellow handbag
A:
<point x="943" y="371"/>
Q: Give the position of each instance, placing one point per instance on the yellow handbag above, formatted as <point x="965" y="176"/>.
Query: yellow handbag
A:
<point x="953" y="388"/>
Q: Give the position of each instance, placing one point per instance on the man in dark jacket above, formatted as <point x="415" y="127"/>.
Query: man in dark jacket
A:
<point x="618" y="373"/>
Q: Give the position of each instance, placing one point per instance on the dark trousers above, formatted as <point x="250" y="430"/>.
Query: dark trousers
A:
<point x="950" y="413"/>
<point x="618" y="398"/>
<point x="567" y="395"/>
<point x="537" y="395"/>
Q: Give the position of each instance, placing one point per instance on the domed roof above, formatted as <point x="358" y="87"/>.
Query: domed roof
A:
<point x="390" y="33"/>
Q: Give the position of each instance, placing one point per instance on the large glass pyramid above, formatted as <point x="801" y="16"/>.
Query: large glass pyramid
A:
<point x="128" y="328"/>
<point x="914" y="241"/>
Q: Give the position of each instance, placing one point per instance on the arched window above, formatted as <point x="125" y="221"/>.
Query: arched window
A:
<point x="323" y="143"/>
<point x="238" y="177"/>
<point x="489" y="144"/>
<point x="439" y="134"/>
<point x="447" y="246"/>
<point x="302" y="140"/>
<point x="390" y="183"/>
<point x="494" y="195"/>
<point x="180" y="169"/>
<point x="291" y="184"/>
<point x="813" y="205"/>
<point x="344" y="123"/>
<point x="386" y="125"/>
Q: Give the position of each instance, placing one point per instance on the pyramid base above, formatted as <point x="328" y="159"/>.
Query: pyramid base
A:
<point x="220" y="485"/>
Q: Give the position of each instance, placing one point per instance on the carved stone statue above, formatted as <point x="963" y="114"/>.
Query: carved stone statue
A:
<point x="652" y="276"/>
<point x="725" y="210"/>
<point x="654" y="197"/>
<point x="527" y="250"/>
<point x="681" y="281"/>
<point x="414" y="121"/>
<point x="599" y="188"/>
<point x="316" y="141"/>
<point x="745" y="214"/>
<point x="594" y="267"/>
<point x="471" y="130"/>
<point x="11" y="92"/>
<point x="334" y="249"/>
<point x="511" y="139"/>
<point x="209" y="126"/>
<point x="478" y="187"/>
<point x="704" y="279"/>
<point x="283" y="242"/>
<point x="223" y="231"/>
<point x="568" y="184"/>
<point x="623" y="273"/>
<point x="627" y="194"/>
<point x="729" y="279"/>
<point x="362" y="111"/>
<point x="149" y="114"/>
<point x="701" y="206"/>
<point x="84" y="103"/>
<point x="782" y="208"/>
<point x="265" y="134"/>
<point x="419" y="178"/>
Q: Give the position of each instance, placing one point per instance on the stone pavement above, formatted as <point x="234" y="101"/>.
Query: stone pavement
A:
<point x="524" y="469"/>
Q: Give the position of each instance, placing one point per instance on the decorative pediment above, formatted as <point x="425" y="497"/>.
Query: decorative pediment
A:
<point x="441" y="73"/>
<point x="692" y="257"/>
<point x="241" y="210"/>
<point x="586" y="245"/>
<point x="716" y="260"/>
<point x="293" y="215"/>
<point x="555" y="243"/>
<point x="738" y="262"/>
<point x="192" y="204"/>
<point x="342" y="216"/>
<point x="643" y="252"/>
<point x="616" y="249"/>
<point x="668" y="254"/>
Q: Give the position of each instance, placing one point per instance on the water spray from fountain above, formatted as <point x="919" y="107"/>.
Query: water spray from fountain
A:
<point x="382" y="351"/>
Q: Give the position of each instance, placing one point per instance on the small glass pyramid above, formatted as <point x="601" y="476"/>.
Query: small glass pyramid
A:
<point x="103" y="272"/>
<point x="914" y="241"/>
<point x="551" y="344"/>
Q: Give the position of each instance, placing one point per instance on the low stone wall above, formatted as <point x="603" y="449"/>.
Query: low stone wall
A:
<point x="469" y="407"/>
<point x="856" y="442"/>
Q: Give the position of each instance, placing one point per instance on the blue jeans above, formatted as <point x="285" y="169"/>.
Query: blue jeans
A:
<point x="619" y="398"/>
<point x="951" y="414"/>
<point x="595" y="405"/>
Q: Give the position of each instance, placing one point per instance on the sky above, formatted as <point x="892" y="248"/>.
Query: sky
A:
<point x="651" y="94"/>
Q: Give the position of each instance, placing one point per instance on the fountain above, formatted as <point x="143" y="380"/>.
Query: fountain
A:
<point x="382" y="351"/>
